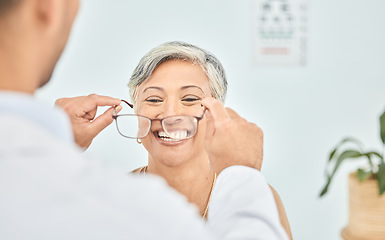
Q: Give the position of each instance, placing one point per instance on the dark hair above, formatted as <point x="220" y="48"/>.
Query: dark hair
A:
<point x="6" y="5"/>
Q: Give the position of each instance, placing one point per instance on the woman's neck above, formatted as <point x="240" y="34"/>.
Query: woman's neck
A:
<point x="193" y="178"/>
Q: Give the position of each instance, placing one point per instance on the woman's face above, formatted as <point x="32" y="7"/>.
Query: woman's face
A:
<point x="175" y="87"/>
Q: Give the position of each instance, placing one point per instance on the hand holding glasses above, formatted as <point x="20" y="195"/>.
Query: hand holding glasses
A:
<point x="174" y="127"/>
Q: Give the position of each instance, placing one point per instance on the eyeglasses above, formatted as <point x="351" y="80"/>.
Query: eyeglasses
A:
<point x="174" y="127"/>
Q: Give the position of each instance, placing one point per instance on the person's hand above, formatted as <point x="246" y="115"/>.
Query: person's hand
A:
<point x="82" y="112"/>
<point x="230" y="139"/>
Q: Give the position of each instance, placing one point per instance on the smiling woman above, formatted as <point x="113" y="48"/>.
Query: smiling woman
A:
<point x="171" y="80"/>
<point x="175" y="88"/>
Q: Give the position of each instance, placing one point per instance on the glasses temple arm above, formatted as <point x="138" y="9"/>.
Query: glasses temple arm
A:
<point x="129" y="104"/>
<point x="114" y="114"/>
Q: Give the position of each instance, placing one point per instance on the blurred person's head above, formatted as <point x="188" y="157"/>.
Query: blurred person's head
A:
<point x="33" y="34"/>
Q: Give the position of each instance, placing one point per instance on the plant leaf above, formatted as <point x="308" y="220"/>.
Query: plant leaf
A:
<point x="326" y="187"/>
<point x="345" y="155"/>
<point x="345" y="140"/>
<point x="369" y="156"/>
<point x="381" y="178"/>
<point x="374" y="153"/>
<point x="362" y="175"/>
<point x="382" y="127"/>
<point x="332" y="153"/>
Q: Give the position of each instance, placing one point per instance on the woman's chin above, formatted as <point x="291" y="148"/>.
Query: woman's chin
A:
<point x="171" y="153"/>
<point x="172" y="156"/>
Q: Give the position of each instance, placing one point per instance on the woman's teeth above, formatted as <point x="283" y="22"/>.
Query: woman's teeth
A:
<point x="173" y="136"/>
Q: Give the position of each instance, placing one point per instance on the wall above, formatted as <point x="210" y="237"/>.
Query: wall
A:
<point x="304" y="111"/>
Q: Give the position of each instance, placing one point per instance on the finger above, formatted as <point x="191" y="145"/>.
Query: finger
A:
<point x="90" y="115"/>
<point x="210" y="127"/>
<point x="63" y="102"/>
<point x="118" y="109"/>
<point x="58" y="101"/>
<point x="102" y="121"/>
<point x="93" y="101"/>
<point x="216" y="109"/>
<point x="105" y="100"/>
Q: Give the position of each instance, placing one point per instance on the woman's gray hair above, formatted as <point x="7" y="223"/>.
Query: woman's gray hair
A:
<point x="180" y="51"/>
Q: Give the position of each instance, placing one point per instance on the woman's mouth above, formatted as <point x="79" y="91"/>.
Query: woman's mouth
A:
<point x="174" y="136"/>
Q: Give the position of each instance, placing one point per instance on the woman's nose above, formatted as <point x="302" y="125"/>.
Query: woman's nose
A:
<point x="170" y="109"/>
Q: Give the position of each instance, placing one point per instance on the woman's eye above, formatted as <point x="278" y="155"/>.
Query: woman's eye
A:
<point x="191" y="99"/>
<point x="154" y="100"/>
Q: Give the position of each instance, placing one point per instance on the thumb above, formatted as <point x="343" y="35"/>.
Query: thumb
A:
<point x="102" y="121"/>
<point x="210" y="126"/>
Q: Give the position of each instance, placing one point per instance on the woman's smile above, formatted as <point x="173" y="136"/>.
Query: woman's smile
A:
<point x="177" y="134"/>
<point x="176" y="138"/>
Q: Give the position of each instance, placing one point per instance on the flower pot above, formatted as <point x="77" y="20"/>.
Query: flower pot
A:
<point x="366" y="211"/>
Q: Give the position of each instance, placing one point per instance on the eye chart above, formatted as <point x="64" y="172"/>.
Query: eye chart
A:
<point x="279" y="32"/>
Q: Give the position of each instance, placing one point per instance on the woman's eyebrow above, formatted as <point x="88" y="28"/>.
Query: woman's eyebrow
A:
<point x="156" y="88"/>
<point x="192" y="86"/>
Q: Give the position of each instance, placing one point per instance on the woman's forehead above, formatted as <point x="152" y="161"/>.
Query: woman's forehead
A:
<point x="179" y="75"/>
<point x="189" y="88"/>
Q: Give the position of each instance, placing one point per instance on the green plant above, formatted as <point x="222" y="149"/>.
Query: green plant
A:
<point x="376" y="162"/>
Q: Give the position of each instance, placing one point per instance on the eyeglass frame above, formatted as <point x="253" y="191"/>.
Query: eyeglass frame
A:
<point x="115" y="117"/>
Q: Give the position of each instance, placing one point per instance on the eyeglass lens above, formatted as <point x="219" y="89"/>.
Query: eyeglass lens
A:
<point x="133" y="126"/>
<point x="174" y="127"/>
<point x="180" y="127"/>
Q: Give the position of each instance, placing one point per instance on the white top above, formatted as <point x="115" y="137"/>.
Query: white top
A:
<point x="49" y="191"/>
<point x="26" y="106"/>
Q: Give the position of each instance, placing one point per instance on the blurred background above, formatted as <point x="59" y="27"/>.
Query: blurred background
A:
<point x="304" y="109"/>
